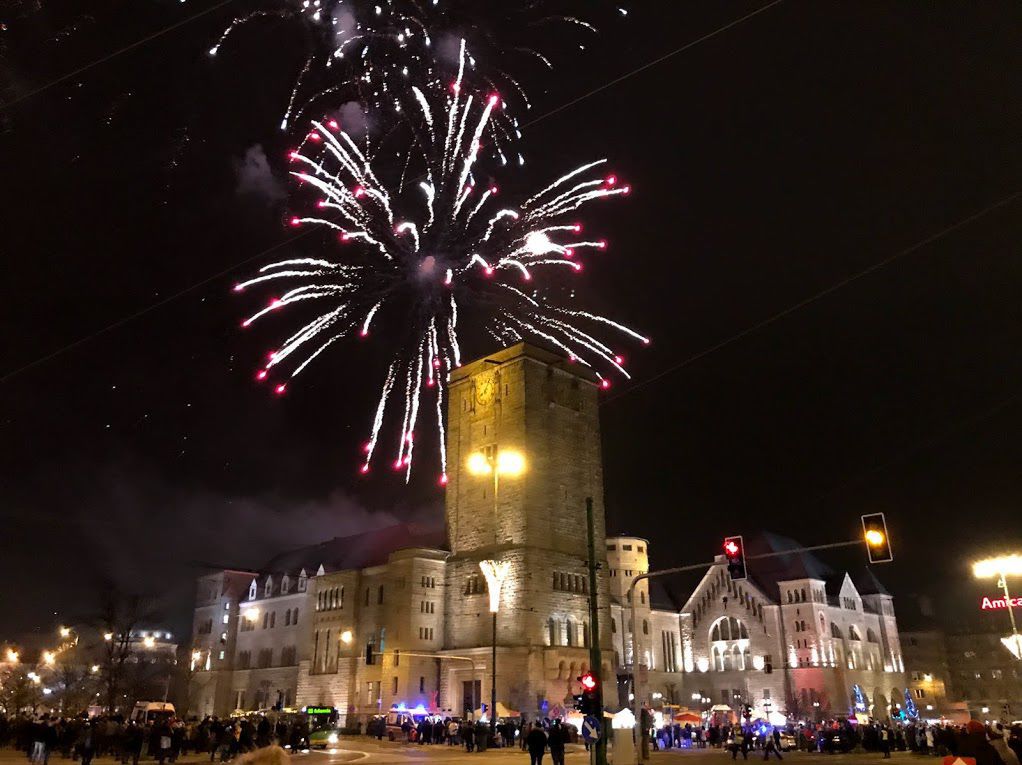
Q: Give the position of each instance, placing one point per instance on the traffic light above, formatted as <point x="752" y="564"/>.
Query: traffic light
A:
<point x="878" y="542"/>
<point x="734" y="551"/>
<point x="589" y="701"/>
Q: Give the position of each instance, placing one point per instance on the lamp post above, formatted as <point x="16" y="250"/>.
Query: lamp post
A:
<point x="1003" y="567"/>
<point x="495" y="573"/>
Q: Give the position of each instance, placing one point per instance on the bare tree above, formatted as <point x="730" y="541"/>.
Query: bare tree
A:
<point x="18" y="691"/>
<point x="118" y="620"/>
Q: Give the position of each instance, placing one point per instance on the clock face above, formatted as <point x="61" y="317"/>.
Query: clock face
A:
<point x="486" y="388"/>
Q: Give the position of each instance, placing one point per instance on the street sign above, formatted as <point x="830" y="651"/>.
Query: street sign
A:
<point x="591" y="729"/>
<point x="952" y="760"/>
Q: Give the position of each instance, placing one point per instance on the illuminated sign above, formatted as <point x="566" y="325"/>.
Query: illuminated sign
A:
<point x="319" y="710"/>
<point x="992" y="604"/>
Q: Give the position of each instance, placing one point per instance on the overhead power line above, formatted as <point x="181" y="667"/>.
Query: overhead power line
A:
<point x="813" y="298"/>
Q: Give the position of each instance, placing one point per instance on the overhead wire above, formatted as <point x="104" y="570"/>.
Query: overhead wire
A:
<point x="813" y="298"/>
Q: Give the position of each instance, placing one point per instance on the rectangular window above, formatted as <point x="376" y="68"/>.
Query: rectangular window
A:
<point x="995" y="674"/>
<point x="422" y="684"/>
<point x="641" y="549"/>
<point x="221" y="656"/>
<point x="393" y="686"/>
<point x="626" y="548"/>
<point x="766" y="694"/>
<point x="611" y="548"/>
<point x="397" y="658"/>
<point x="227" y="618"/>
<point x="920" y="693"/>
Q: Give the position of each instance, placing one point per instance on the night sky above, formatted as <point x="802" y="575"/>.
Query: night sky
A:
<point x="770" y="163"/>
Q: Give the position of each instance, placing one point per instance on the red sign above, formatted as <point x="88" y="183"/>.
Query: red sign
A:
<point x="992" y="604"/>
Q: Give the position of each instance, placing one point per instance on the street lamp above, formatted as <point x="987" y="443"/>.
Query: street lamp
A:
<point x="12" y="656"/>
<point x="1002" y="567"/>
<point x="495" y="572"/>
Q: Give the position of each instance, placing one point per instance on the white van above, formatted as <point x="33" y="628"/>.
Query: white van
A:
<point x="146" y="712"/>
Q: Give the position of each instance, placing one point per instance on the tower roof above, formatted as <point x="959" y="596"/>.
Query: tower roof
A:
<point x="522" y="350"/>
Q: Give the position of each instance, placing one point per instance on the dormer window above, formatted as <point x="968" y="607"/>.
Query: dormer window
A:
<point x="252" y="590"/>
<point x="303" y="581"/>
<point x="268" y="587"/>
<point x="285" y="584"/>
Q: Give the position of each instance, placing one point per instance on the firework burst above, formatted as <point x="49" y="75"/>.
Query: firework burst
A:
<point x="428" y="248"/>
<point x="365" y="51"/>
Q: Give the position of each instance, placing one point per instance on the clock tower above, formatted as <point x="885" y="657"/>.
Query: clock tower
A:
<point x="523" y="450"/>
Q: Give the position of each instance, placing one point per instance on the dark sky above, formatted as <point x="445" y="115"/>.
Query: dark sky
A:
<point x="769" y="163"/>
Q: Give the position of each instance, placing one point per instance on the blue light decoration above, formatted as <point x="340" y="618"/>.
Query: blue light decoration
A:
<point x="910" y="706"/>
<point x="860" y="698"/>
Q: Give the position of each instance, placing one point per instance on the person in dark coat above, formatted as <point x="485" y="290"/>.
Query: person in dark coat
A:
<point x="556" y="741"/>
<point x="482" y="736"/>
<point x="974" y="744"/>
<point x="468" y="735"/>
<point x="536" y="744"/>
<point x="133" y="740"/>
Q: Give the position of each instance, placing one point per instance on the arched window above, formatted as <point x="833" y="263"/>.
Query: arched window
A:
<point x="728" y="628"/>
<point x="835" y="631"/>
<point x="569" y="631"/>
<point x="853" y="634"/>
<point x="737" y="661"/>
<point x="551" y="629"/>
<point x="789" y="596"/>
<point x="285" y="583"/>
<point x="871" y="636"/>
<point x="294" y="617"/>
<point x="645" y="627"/>
<point x="252" y="590"/>
<point x="268" y="588"/>
<point x="287" y="618"/>
<point x="803" y="594"/>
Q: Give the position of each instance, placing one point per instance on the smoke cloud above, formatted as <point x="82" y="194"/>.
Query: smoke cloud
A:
<point x="255" y="176"/>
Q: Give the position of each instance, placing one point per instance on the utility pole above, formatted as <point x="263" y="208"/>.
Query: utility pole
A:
<point x="595" y="657"/>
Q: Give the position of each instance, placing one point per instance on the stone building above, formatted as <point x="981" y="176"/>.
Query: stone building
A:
<point x="963" y="674"/>
<point x="523" y="448"/>
<point x="523" y="455"/>
<point x="795" y="637"/>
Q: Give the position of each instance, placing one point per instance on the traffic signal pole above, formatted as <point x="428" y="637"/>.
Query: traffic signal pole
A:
<point x="595" y="655"/>
<point x="637" y="690"/>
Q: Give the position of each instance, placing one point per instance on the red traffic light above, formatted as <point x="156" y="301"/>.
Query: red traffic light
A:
<point x="588" y="681"/>
<point x="731" y="547"/>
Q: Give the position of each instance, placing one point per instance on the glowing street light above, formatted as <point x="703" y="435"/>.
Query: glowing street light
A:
<point x="1002" y="567"/>
<point x="49" y="658"/>
<point x="65" y="632"/>
<point x="347" y="637"/>
<point x="95" y="669"/>
<point x="12" y="656"/>
<point x="108" y="636"/>
<point x="495" y="572"/>
<point x="149" y="641"/>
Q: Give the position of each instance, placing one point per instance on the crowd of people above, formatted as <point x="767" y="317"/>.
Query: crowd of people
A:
<point x="163" y="740"/>
<point x="475" y="736"/>
<point x="992" y="744"/>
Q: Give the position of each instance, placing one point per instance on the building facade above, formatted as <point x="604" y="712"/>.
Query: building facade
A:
<point x="797" y="639"/>
<point x="523" y="448"/>
<point x="402" y="615"/>
<point x="970" y="674"/>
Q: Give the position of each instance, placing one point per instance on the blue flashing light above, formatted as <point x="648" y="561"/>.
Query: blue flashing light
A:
<point x="419" y="709"/>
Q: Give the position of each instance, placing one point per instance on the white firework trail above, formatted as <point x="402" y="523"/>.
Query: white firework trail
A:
<point x="406" y="265"/>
